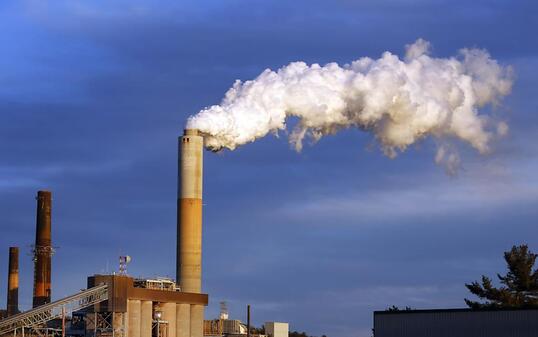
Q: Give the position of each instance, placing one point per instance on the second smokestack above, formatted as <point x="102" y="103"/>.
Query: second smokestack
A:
<point x="42" y="250"/>
<point x="13" y="282"/>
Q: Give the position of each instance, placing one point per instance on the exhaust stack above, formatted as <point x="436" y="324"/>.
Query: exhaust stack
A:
<point x="189" y="212"/>
<point x="189" y="223"/>
<point x="42" y="250"/>
<point x="13" y="282"/>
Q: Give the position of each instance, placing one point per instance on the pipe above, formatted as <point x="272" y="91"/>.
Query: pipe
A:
<point x="189" y="212"/>
<point x="248" y="320"/>
<point x="42" y="250"/>
<point x="13" y="282"/>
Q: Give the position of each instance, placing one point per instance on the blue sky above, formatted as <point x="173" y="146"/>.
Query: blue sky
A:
<point x="94" y="94"/>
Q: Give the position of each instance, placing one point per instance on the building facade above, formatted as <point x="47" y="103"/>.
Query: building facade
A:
<point x="456" y="323"/>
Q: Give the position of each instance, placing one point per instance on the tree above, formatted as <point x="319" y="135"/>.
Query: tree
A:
<point x="258" y="331"/>
<point x="519" y="286"/>
<point x="297" y="334"/>
<point x="300" y="334"/>
<point x="395" y="308"/>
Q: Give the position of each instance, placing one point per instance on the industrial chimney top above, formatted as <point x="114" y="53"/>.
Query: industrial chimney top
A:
<point x="191" y="132"/>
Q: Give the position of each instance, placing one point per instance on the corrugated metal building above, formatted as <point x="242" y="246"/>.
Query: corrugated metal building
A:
<point x="456" y="323"/>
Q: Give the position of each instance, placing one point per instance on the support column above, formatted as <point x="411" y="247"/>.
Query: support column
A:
<point x="120" y="324"/>
<point x="124" y="318"/>
<point x="197" y="320"/>
<point x="183" y="321"/>
<point x="146" y="318"/>
<point x="169" y="315"/>
<point x="134" y="311"/>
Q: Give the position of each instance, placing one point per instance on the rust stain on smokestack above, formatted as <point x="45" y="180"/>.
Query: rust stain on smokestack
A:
<point x="189" y="212"/>
<point x="13" y="282"/>
<point x="42" y="249"/>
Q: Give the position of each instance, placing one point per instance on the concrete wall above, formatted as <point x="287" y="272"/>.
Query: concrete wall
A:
<point x="456" y="322"/>
<point x="183" y="319"/>
<point x="120" y="324"/>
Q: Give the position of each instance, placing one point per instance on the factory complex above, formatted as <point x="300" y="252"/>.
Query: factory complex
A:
<point x="119" y="305"/>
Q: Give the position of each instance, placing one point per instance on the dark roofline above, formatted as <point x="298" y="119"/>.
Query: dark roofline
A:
<point x="431" y="311"/>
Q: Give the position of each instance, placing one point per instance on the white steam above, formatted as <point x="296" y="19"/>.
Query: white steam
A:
<point x="399" y="101"/>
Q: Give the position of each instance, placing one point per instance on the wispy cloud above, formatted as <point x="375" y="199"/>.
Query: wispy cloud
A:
<point x="481" y="187"/>
<point x="383" y="296"/>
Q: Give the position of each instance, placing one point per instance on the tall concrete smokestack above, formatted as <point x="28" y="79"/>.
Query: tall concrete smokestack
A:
<point x="13" y="282"/>
<point x="42" y="249"/>
<point x="189" y="222"/>
<point x="189" y="212"/>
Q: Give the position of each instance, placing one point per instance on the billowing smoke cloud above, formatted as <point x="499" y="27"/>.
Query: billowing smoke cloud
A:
<point x="399" y="101"/>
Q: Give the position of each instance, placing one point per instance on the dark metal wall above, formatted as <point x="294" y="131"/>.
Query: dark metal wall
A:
<point x="456" y="323"/>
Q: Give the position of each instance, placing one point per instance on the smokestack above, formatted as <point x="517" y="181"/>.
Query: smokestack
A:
<point x="13" y="282"/>
<point x="189" y="212"/>
<point x="42" y="250"/>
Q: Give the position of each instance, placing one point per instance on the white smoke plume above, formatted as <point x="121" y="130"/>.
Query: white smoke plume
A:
<point x="400" y="101"/>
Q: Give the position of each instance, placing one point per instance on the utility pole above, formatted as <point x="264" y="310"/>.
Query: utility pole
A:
<point x="248" y="320"/>
<point x="63" y="321"/>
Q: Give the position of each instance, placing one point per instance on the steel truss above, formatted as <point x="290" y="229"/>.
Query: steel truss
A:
<point x="106" y="324"/>
<point x="35" y="318"/>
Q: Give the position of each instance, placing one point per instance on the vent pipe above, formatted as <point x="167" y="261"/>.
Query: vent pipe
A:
<point x="189" y="212"/>
<point x="189" y="223"/>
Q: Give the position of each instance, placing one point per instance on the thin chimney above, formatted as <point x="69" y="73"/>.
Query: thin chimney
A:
<point x="13" y="282"/>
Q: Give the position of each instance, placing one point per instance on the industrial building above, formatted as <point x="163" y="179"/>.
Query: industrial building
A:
<point x="142" y="308"/>
<point x="226" y="327"/>
<point x="277" y="329"/>
<point x="456" y="322"/>
<point x="234" y="328"/>
<point x="119" y="305"/>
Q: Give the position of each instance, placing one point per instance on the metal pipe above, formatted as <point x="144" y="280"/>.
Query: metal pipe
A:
<point x="95" y="324"/>
<point x="13" y="282"/>
<point x="42" y="250"/>
<point x="248" y="320"/>
<point x="63" y="321"/>
<point x="189" y="212"/>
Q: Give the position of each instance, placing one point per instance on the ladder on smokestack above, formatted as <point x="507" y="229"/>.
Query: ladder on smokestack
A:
<point x="35" y="318"/>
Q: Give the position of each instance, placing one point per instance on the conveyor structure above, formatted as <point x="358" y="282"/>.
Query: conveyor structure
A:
<point x="35" y="318"/>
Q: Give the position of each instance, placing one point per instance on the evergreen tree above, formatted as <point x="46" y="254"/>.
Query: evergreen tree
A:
<point x="297" y="334"/>
<point x="395" y="308"/>
<point x="519" y="286"/>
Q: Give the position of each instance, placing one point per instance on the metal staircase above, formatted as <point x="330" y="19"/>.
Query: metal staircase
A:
<point x="36" y="317"/>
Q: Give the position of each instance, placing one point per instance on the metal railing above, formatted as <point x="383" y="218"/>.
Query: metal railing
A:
<point x="44" y="313"/>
